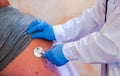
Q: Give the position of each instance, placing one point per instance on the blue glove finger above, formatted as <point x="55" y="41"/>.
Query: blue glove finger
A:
<point x="38" y="35"/>
<point x="42" y="35"/>
<point x="46" y="55"/>
<point x="34" y="23"/>
<point x="58" y="55"/>
<point x="55" y="55"/>
<point x="34" y="29"/>
<point x="49" y="57"/>
<point x="44" y="23"/>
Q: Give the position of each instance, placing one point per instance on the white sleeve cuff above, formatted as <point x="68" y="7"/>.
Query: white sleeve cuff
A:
<point x="59" y="33"/>
<point x="70" y="51"/>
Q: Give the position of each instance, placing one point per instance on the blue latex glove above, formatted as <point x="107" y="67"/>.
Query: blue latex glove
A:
<point x="56" y="56"/>
<point x="41" y="29"/>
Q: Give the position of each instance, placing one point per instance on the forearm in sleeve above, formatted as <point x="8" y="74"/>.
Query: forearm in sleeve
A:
<point x="94" y="48"/>
<point x="91" y="20"/>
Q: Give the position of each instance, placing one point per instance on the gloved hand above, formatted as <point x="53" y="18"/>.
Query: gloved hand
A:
<point x="41" y="29"/>
<point x="56" y="56"/>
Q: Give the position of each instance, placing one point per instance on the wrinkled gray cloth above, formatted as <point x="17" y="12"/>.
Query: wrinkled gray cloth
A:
<point x="13" y="39"/>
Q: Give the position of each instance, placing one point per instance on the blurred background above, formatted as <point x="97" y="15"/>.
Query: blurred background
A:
<point x="57" y="12"/>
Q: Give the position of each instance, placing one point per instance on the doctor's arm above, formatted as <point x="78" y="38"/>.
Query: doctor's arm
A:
<point x="92" y="20"/>
<point x="94" y="48"/>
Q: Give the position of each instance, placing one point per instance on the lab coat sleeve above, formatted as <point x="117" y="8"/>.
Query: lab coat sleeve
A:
<point x="91" y="20"/>
<point x="97" y="47"/>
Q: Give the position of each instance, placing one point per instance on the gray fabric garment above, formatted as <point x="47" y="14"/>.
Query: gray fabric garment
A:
<point x="13" y="39"/>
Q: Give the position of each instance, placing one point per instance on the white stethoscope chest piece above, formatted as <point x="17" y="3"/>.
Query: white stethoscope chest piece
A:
<point x="39" y="52"/>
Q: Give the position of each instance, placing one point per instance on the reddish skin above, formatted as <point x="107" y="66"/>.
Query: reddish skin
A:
<point x="4" y="3"/>
<point x="26" y="64"/>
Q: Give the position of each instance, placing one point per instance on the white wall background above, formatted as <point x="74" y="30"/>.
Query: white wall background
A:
<point x="53" y="11"/>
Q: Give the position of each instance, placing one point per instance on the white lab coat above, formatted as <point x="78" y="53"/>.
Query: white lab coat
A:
<point x="91" y="40"/>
